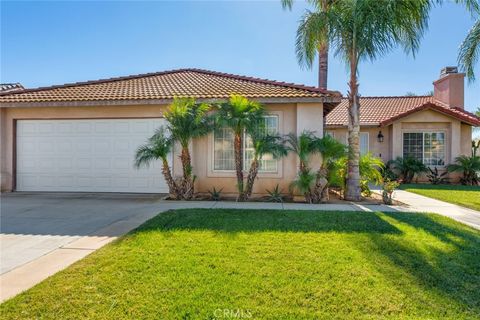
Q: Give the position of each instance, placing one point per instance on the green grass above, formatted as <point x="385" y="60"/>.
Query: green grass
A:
<point x="467" y="196"/>
<point x="195" y="264"/>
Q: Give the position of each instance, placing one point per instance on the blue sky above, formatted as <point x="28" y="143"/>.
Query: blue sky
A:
<point x="46" y="43"/>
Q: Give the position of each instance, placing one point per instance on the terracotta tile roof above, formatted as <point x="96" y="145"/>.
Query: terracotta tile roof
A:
<point x="381" y="111"/>
<point x="201" y="84"/>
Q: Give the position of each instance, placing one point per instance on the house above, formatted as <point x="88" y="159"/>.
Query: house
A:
<point x="434" y="129"/>
<point x="83" y="136"/>
<point x="10" y="87"/>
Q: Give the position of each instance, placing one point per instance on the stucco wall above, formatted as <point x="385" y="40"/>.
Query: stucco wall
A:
<point x="292" y="118"/>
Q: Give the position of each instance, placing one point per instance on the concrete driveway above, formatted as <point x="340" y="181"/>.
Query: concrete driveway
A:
<point x="33" y="225"/>
<point x="41" y="234"/>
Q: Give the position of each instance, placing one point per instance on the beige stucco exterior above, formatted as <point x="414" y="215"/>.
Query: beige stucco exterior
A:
<point x="293" y="117"/>
<point x="458" y="135"/>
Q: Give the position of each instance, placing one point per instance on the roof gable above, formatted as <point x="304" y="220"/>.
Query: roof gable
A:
<point x="197" y="83"/>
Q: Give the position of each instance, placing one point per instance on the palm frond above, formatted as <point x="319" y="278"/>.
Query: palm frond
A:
<point x="158" y="146"/>
<point x="470" y="51"/>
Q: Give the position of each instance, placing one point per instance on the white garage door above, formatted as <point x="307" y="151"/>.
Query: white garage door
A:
<point x="85" y="155"/>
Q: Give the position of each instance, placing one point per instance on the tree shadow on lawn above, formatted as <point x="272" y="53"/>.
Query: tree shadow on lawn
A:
<point x="450" y="267"/>
<point x="251" y="221"/>
<point x="433" y="252"/>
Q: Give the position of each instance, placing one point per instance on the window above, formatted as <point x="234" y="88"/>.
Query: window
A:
<point x="428" y="147"/>
<point x="364" y="143"/>
<point x="330" y="133"/>
<point x="224" y="154"/>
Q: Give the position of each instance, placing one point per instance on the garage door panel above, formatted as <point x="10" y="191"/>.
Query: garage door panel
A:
<point x="85" y="155"/>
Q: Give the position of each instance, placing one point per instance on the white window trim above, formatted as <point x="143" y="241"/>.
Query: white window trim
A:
<point x="423" y="144"/>
<point x="213" y="173"/>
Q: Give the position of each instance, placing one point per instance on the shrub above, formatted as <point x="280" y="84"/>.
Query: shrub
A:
<point x="371" y="169"/>
<point x="275" y="195"/>
<point x="408" y="168"/>
<point x="437" y="178"/>
<point x="215" y="194"/>
<point x="470" y="168"/>
<point x="388" y="188"/>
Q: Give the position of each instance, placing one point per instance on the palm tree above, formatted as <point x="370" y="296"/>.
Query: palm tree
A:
<point x="241" y="115"/>
<point x="469" y="166"/>
<point x="158" y="147"/>
<point x="469" y="51"/>
<point x="263" y="144"/>
<point x="317" y="45"/>
<point x="187" y="120"/>
<point x="331" y="150"/>
<point x="360" y="30"/>
<point x="304" y="146"/>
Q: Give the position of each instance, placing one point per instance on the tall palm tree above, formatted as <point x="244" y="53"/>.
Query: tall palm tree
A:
<point x="304" y="146"/>
<point x="263" y="144"/>
<point x="318" y="45"/>
<point x="470" y="51"/>
<point x="470" y="48"/>
<point x="241" y="115"/>
<point x="186" y="120"/>
<point x="331" y="151"/>
<point x="359" y="30"/>
<point x="158" y="147"/>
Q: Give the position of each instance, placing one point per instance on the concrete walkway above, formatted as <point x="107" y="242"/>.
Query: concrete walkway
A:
<point x="417" y="203"/>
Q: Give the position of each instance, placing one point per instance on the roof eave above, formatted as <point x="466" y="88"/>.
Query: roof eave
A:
<point x="92" y="103"/>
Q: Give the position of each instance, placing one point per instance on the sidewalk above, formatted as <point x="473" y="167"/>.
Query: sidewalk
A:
<point x="418" y="203"/>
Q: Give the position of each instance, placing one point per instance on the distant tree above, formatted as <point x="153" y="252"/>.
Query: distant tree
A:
<point x="410" y="94"/>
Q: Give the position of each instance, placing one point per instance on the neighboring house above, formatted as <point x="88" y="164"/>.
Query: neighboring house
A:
<point x="434" y="129"/>
<point x="83" y="136"/>
<point x="10" y="87"/>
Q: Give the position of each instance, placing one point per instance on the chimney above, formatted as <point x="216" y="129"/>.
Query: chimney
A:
<point x="449" y="88"/>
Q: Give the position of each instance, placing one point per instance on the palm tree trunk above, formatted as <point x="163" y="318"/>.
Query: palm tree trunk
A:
<point x="323" y="66"/>
<point x="252" y="175"/>
<point x="238" y="148"/>
<point x="352" y="192"/>
<point x="320" y="191"/>
<point x="187" y="181"/>
<point x="172" y="186"/>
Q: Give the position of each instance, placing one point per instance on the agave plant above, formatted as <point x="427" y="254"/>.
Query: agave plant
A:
<point x="158" y="147"/>
<point x="470" y="168"/>
<point x="275" y="195"/>
<point x="187" y="120"/>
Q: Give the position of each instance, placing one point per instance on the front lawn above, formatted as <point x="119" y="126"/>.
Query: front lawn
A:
<point x="224" y="264"/>
<point x="467" y="196"/>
